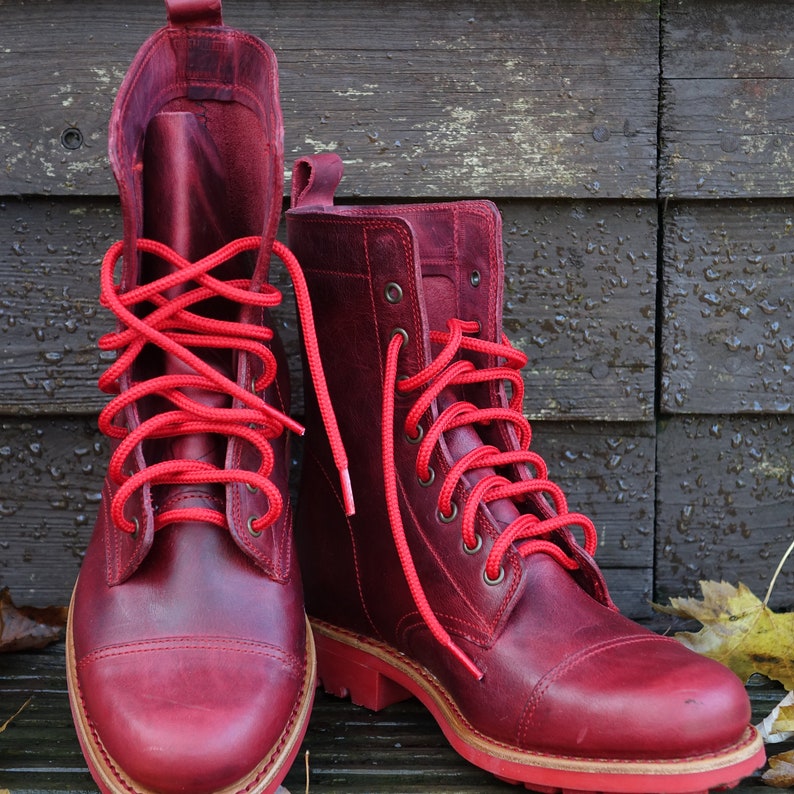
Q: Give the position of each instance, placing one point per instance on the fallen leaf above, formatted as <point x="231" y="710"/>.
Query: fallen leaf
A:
<point x="769" y="729"/>
<point x="739" y="631"/>
<point x="785" y="720"/>
<point x="23" y="628"/>
<point x="781" y="770"/>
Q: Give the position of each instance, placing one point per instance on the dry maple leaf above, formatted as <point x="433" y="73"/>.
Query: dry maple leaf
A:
<point x="739" y="631"/>
<point x="22" y="628"/>
<point x="781" y="770"/>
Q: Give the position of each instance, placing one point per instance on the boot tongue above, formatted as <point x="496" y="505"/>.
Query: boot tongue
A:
<point x="185" y="208"/>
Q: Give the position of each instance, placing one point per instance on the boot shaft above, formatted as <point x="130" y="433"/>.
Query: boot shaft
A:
<point x="196" y="146"/>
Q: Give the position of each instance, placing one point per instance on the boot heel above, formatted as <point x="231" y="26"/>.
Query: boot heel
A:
<point x="345" y="671"/>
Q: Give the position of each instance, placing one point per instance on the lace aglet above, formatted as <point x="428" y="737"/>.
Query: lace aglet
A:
<point x="295" y="427"/>
<point x="465" y="661"/>
<point x="347" y="491"/>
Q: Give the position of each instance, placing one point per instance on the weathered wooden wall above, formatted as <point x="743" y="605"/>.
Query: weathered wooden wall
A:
<point x="725" y="478"/>
<point x="640" y="153"/>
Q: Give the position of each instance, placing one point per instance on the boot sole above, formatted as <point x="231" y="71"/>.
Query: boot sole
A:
<point x="374" y="675"/>
<point x="264" y="779"/>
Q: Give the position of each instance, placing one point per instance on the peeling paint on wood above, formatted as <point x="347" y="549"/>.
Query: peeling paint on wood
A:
<point x="418" y="99"/>
<point x="727" y="99"/>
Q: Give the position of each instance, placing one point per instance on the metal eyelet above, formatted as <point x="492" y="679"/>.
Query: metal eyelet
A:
<point x="451" y="517"/>
<point x="493" y="582"/>
<point x="255" y="533"/>
<point x="477" y="546"/>
<point x="137" y="531"/>
<point x="430" y="480"/>
<point x="401" y="332"/>
<point x="251" y="488"/>
<point x="393" y="292"/>
<point x="475" y="278"/>
<point x="420" y="434"/>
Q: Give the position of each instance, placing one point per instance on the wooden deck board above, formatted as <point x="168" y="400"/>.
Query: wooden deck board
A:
<point x="397" y="751"/>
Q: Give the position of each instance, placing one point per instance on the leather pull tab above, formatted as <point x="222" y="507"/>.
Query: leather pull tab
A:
<point x="315" y="179"/>
<point x="202" y="13"/>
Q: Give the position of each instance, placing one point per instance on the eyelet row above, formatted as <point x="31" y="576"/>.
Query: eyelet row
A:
<point x="393" y="292"/>
<point x="255" y="533"/>
<point x="472" y="550"/>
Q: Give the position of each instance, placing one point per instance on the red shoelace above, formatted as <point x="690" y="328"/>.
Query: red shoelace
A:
<point x="528" y="533"/>
<point x="171" y="326"/>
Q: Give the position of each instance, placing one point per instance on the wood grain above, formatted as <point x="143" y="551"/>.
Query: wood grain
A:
<point x="726" y="100"/>
<point x="419" y="99"/>
<point x="580" y="300"/>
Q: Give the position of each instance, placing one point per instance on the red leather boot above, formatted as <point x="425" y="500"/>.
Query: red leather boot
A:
<point x="190" y="666"/>
<point x="459" y="581"/>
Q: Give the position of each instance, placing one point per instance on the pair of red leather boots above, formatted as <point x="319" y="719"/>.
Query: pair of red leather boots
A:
<point x="456" y="577"/>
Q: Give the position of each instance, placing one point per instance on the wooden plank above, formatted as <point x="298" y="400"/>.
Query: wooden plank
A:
<point x="727" y="38"/>
<point x="50" y="317"/>
<point x="419" y="99"/>
<point x="607" y="472"/>
<point x="728" y="308"/>
<point x="50" y="482"/>
<point x="51" y="472"/>
<point x="725" y="504"/>
<point x="726" y="99"/>
<point x="580" y="300"/>
<point x="399" y="749"/>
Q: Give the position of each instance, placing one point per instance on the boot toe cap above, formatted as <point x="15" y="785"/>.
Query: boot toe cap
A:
<point x="192" y="719"/>
<point x="641" y="698"/>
